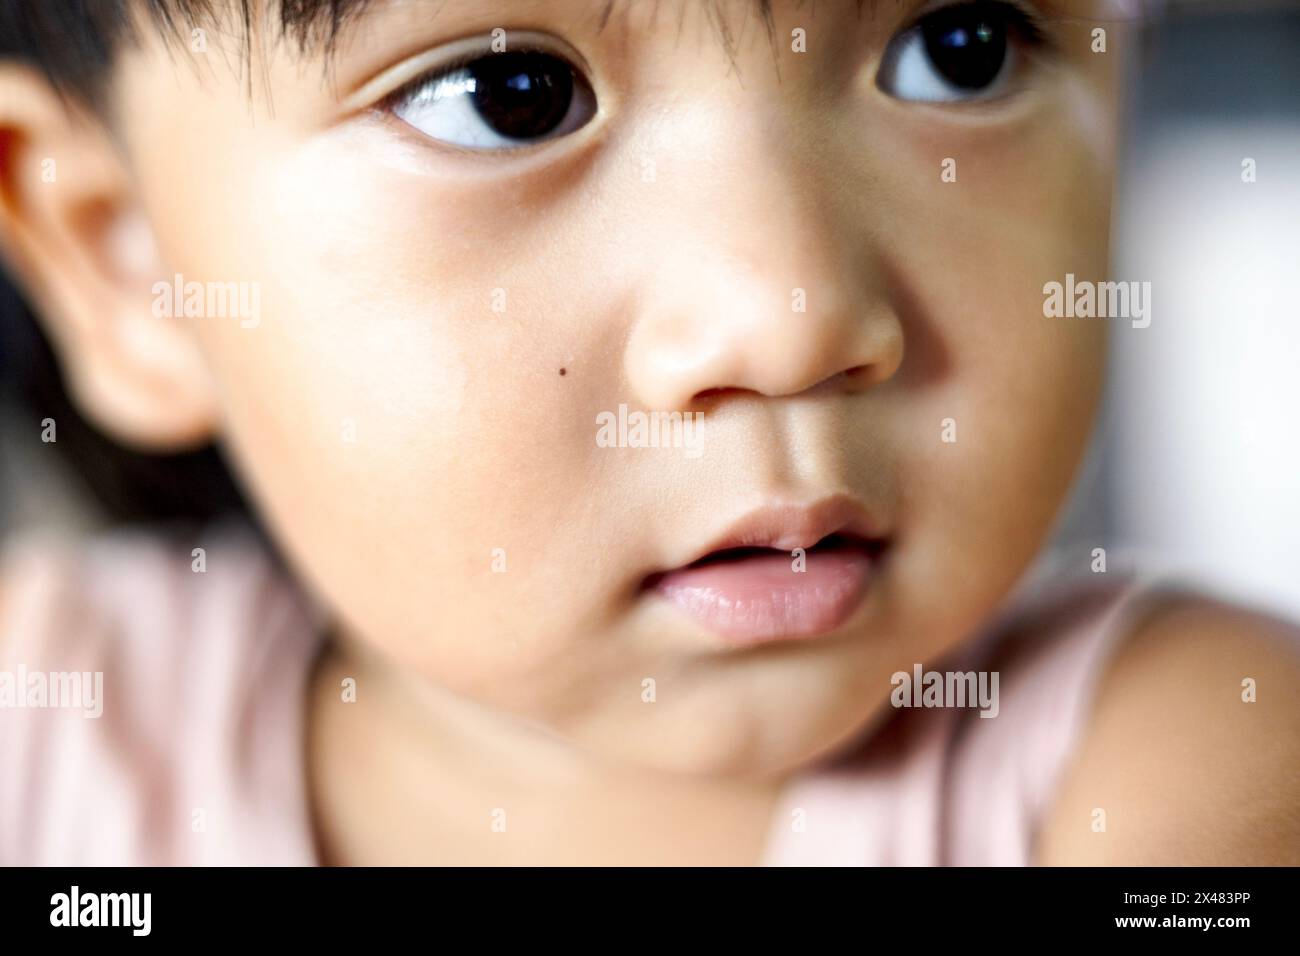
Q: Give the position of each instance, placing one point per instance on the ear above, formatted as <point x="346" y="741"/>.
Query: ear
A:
<point x="76" y="239"/>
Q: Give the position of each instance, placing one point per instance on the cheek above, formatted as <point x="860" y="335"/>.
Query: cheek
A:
<point x="400" y="416"/>
<point x="999" y="400"/>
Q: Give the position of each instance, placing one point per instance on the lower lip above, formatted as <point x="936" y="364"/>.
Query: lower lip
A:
<point x="762" y="599"/>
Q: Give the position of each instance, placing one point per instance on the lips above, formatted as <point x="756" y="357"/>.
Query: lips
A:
<point x="780" y="573"/>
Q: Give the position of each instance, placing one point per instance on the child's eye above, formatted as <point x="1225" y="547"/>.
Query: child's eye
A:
<point x="962" y="52"/>
<point x="498" y="101"/>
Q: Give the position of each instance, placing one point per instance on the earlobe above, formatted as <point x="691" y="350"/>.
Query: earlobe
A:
<point x="76" y="239"/>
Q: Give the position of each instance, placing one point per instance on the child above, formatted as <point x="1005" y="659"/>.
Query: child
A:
<point x="647" y="399"/>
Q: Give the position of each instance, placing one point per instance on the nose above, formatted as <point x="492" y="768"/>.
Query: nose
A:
<point x="766" y="292"/>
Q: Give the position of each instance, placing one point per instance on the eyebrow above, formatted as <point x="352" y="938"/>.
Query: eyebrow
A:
<point x="314" y="24"/>
<point x="317" y="25"/>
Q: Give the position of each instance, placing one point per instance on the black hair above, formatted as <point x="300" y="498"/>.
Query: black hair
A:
<point x="127" y="485"/>
<point x="74" y="43"/>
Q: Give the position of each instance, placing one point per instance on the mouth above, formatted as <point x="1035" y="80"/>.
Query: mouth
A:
<point x="783" y="573"/>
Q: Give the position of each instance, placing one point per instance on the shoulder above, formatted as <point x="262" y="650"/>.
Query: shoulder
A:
<point x="1192" y="752"/>
<point x="132" y="665"/>
<point x="125" y="590"/>
<point x="138" y="610"/>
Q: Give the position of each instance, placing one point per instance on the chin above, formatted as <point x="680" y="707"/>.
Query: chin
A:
<point x="750" y="748"/>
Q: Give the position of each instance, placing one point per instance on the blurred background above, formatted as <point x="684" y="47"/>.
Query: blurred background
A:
<point x="1196" y="469"/>
<point x="1196" y="466"/>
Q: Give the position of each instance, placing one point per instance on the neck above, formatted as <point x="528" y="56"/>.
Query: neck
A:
<point x="411" y="774"/>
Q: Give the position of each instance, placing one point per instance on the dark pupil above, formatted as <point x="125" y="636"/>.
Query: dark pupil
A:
<point x="967" y="44"/>
<point x="522" y="95"/>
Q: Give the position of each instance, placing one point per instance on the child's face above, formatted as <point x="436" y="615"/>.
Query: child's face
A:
<point x="440" y="328"/>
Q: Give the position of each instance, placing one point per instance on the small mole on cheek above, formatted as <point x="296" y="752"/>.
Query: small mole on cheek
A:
<point x="563" y="371"/>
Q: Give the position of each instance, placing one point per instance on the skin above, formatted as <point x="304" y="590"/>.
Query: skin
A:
<point x="394" y="429"/>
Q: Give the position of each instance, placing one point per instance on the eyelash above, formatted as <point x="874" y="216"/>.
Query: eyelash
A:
<point x="1024" y="30"/>
<point x="548" y="76"/>
<point x="1024" y="16"/>
<point x="1022" y="25"/>
<point x="409" y="91"/>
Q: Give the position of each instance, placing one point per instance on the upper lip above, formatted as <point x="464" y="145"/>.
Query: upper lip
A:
<point x="785" y="527"/>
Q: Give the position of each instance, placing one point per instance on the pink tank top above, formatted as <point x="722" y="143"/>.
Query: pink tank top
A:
<point x="198" y="753"/>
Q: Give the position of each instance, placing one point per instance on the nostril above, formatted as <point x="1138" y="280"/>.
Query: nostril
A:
<point x="861" y="377"/>
<point x="711" y="394"/>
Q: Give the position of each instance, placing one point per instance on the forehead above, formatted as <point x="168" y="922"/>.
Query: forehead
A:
<point x="271" y="50"/>
<point x="318" y="24"/>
